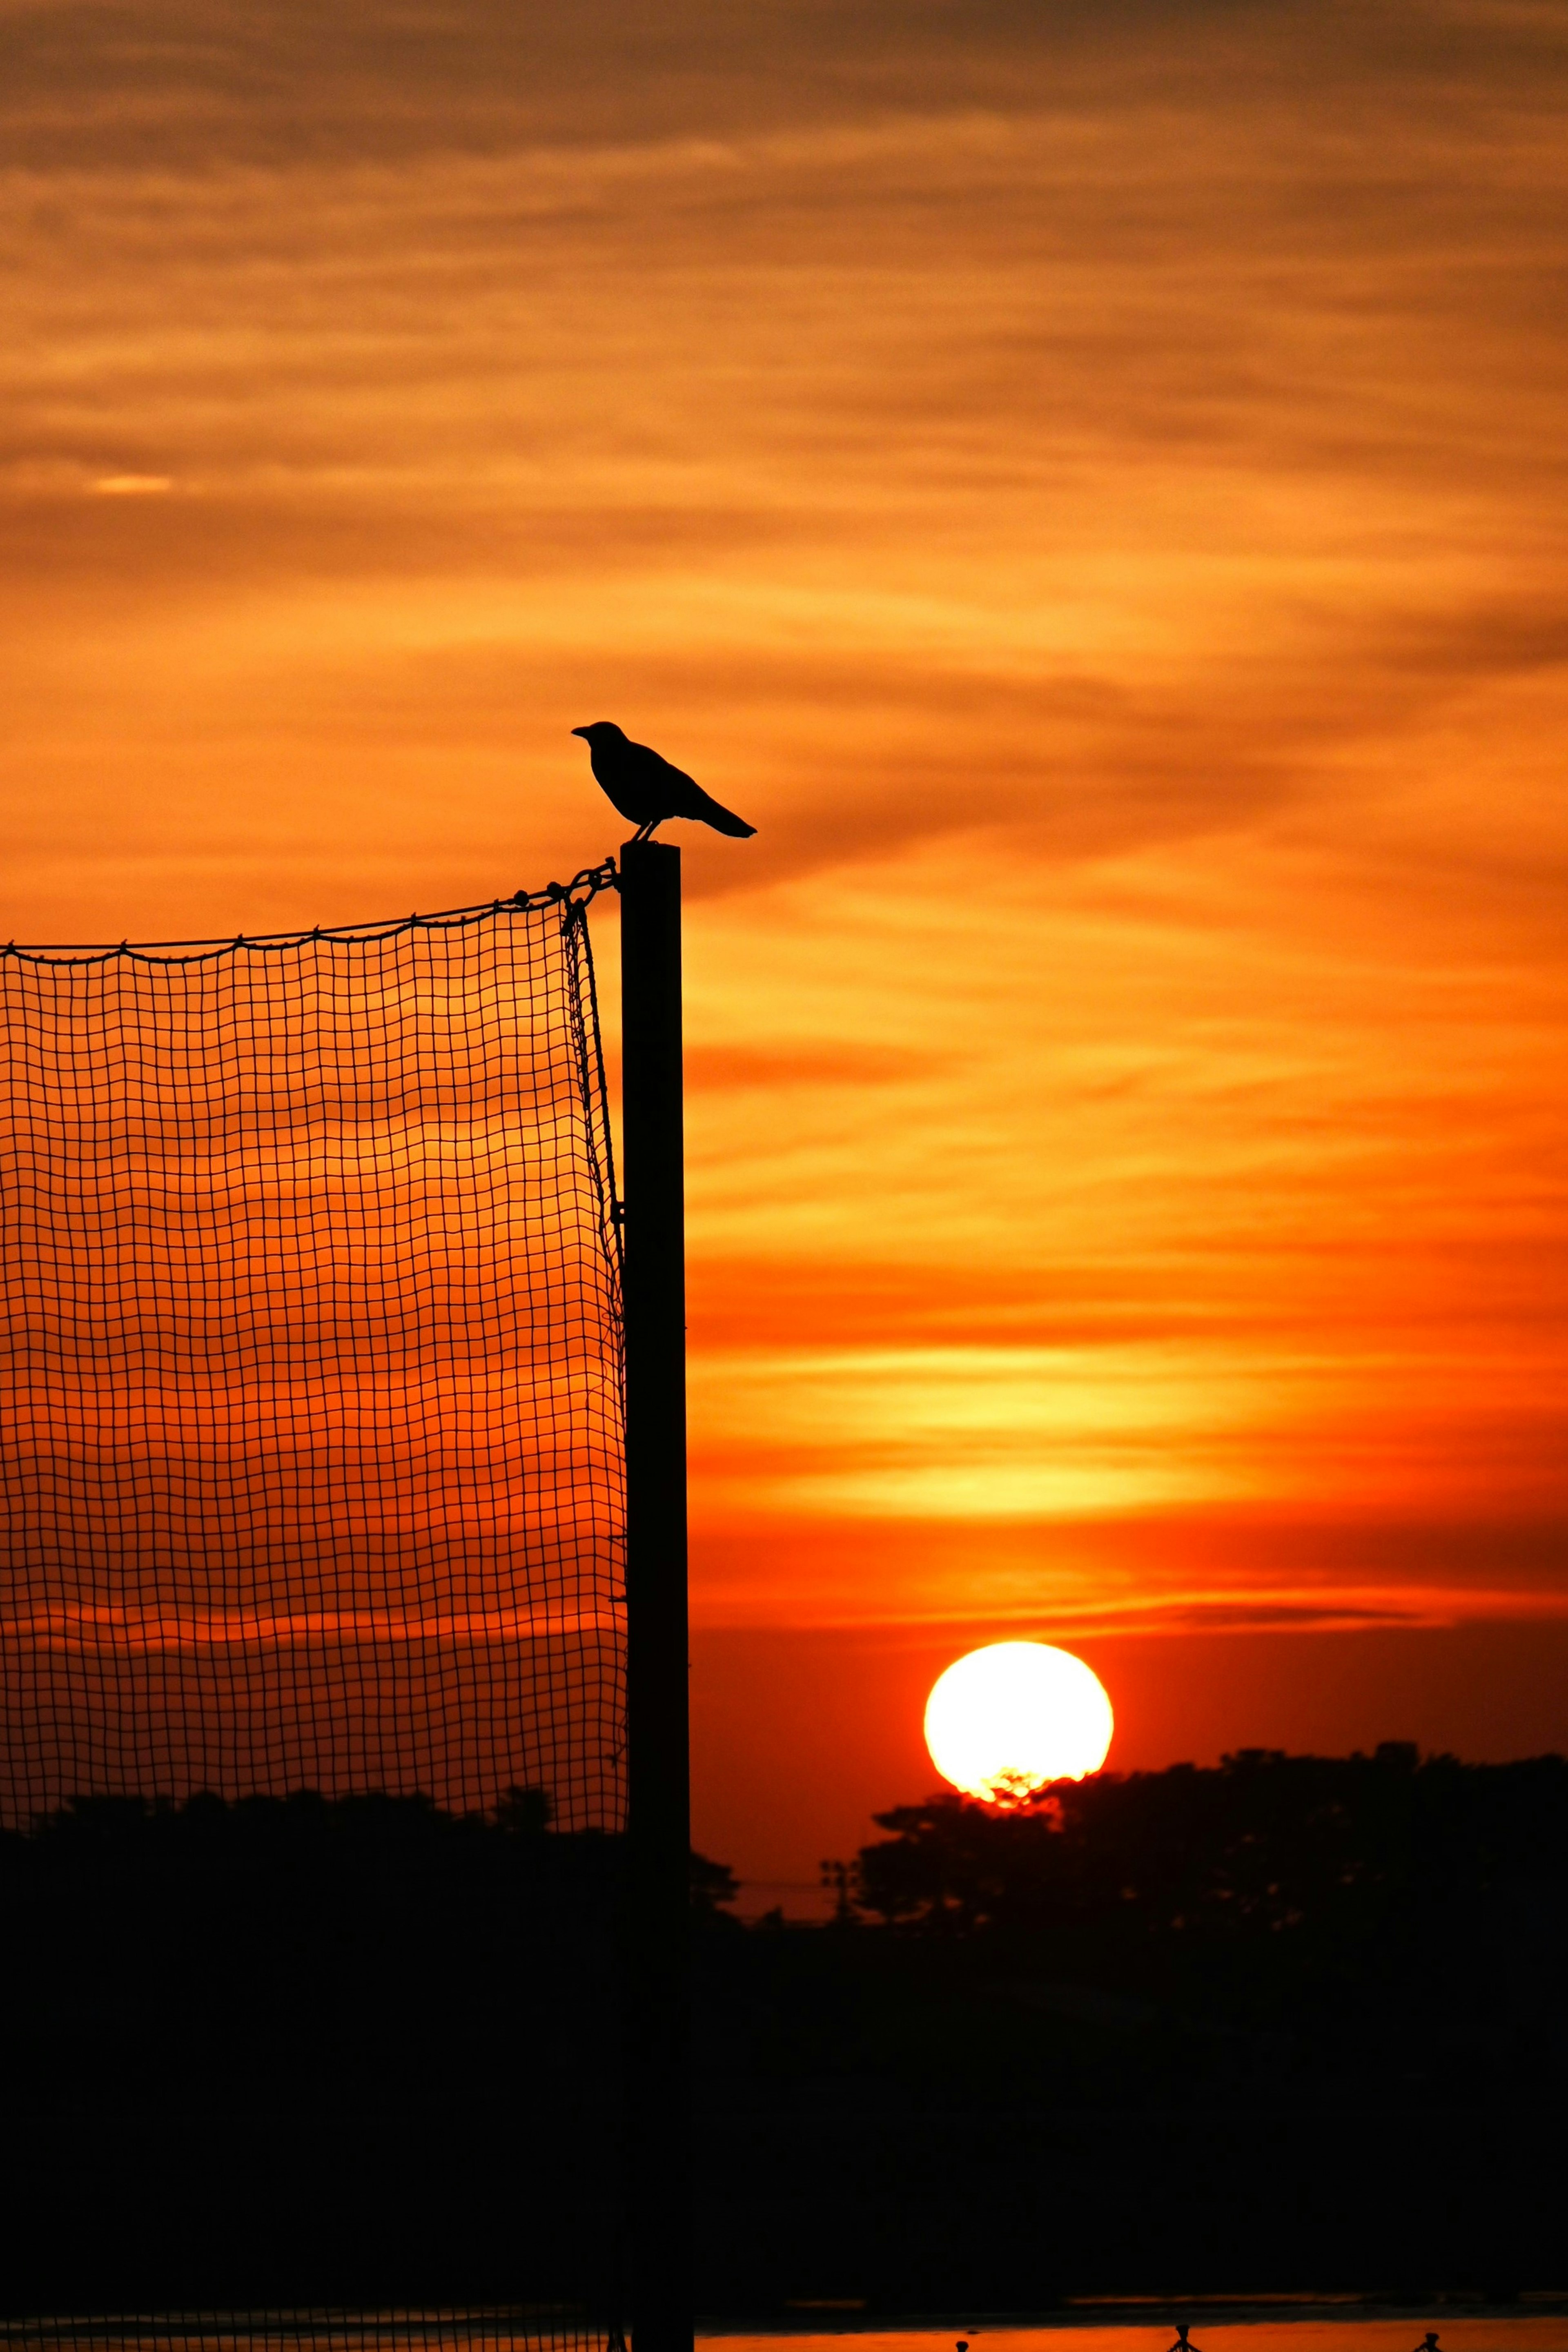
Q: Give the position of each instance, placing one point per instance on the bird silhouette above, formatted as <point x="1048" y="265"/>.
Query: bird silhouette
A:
<point x="647" y="789"/>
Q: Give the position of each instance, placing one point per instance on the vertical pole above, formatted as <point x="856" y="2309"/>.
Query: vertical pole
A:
<point x="659" y="1770"/>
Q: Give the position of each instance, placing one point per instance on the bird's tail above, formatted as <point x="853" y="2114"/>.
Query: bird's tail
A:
<point x="723" y="820"/>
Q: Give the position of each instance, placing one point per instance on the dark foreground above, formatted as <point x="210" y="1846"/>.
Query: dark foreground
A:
<point x="1298" y="2025"/>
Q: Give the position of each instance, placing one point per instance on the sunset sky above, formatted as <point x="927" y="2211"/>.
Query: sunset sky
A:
<point x="1088" y="482"/>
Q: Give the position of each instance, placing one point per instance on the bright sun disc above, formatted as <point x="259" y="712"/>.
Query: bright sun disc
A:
<point x="1007" y="1720"/>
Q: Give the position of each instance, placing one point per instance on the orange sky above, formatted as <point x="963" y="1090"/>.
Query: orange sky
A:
<point x="1088" y="483"/>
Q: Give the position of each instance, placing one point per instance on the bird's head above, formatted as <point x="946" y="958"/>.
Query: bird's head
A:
<point x="602" y="730"/>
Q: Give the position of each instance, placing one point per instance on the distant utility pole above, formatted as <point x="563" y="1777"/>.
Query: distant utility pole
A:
<point x="659" y="2123"/>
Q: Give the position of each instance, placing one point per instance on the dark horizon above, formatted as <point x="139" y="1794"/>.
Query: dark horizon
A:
<point x="1049" y="2071"/>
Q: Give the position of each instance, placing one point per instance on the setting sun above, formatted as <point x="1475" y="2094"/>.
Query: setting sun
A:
<point x="1008" y="1719"/>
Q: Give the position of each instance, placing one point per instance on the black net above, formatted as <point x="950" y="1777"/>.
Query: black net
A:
<point x="310" y="1399"/>
<point x="501" y="2330"/>
<point x="312" y="1620"/>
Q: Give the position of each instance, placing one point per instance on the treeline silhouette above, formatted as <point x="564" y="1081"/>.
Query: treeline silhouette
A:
<point x="1293" y="2023"/>
<point x="1328" y="1926"/>
<point x="306" y="2049"/>
<point x="1330" y="1850"/>
<point x="1399" y="1920"/>
<point x="1290" y="2022"/>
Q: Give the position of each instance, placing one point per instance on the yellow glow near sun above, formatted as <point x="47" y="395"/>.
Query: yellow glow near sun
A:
<point x="1010" y="1718"/>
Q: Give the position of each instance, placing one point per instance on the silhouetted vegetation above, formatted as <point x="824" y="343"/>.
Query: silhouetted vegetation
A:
<point x="1323" y="1928"/>
<point x="1325" y="1852"/>
<point x="300" y="2049"/>
<point x="1295" y="2021"/>
<point x="713" y="1884"/>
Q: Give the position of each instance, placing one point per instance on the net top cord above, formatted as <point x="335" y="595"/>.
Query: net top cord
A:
<point x="584" y="886"/>
<point x="312" y="1422"/>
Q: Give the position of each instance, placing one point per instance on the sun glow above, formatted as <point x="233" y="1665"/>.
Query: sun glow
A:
<point x="1007" y="1720"/>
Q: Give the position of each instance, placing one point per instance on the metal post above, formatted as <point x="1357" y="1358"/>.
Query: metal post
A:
<point x="659" y="2093"/>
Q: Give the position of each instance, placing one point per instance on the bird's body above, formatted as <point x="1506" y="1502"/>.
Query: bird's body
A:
<point x="647" y="789"/>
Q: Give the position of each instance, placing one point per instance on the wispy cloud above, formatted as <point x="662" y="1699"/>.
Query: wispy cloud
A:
<point x="1088" y="482"/>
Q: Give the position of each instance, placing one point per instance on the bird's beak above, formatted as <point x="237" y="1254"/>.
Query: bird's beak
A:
<point x="581" y="731"/>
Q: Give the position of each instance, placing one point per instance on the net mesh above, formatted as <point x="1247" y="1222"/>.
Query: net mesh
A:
<point x="310" y="2331"/>
<point x="311" y="1434"/>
